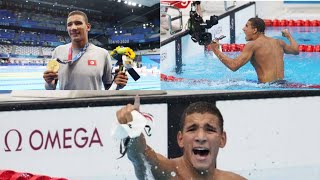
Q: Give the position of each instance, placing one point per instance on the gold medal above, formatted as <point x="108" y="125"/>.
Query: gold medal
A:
<point x="53" y="65"/>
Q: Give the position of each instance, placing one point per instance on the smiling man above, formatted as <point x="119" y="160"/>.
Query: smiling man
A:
<point x="264" y="53"/>
<point x="83" y="66"/>
<point x="201" y="136"/>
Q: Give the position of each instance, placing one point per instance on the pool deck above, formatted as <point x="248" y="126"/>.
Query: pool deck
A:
<point x="40" y="95"/>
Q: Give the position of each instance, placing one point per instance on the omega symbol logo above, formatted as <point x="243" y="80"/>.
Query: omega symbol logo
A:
<point x="10" y="146"/>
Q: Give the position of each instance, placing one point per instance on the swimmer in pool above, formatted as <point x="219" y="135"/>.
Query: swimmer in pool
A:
<point x="264" y="53"/>
<point x="201" y="136"/>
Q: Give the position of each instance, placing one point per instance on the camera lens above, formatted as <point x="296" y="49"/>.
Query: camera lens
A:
<point x="205" y="38"/>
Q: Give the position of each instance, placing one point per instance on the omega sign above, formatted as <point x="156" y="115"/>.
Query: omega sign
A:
<point x="15" y="140"/>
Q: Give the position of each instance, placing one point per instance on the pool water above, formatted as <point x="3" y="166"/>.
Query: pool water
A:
<point x="30" y="78"/>
<point x="303" y="35"/>
<point x="205" y="71"/>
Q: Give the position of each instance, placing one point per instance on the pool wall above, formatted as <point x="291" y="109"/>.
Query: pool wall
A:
<point x="272" y="138"/>
<point x="74" y="143"/>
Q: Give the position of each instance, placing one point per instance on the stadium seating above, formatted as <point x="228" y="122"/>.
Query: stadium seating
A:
<point x="27" y="50"/>
<point x="33" y="34"/>
<point x="6" y="49"/>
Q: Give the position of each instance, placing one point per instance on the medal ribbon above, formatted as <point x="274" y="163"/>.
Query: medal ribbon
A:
<point x="78" y="56"/>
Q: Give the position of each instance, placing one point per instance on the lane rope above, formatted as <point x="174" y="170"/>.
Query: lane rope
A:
<point x="239" y="48"/>
<point x="292" y="23"/>
<point x="167" y="78"/>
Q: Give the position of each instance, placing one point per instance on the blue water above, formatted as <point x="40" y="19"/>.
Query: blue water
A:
<point x="303" y="35"/>
<point x="30" y="78"/>
<point x="205" y="71"/>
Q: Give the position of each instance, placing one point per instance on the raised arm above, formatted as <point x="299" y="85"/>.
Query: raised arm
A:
<point x="145" y="160"/>
<point x="293" y="48"/>
<point x="236" y="63"/>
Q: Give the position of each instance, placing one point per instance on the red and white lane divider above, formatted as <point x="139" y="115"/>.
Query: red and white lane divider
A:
<point x="12" y="175"/>
<point x="229" y="47"/>
<point x="166" y="78"/>
<point x="285" y="22"/>
<point x="239" y="47"/>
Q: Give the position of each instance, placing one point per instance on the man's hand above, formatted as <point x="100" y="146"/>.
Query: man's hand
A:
<point x="285" y="33"/>
<point x="293" y="48"/>
<point x="214" y="45"/>
<point x="124" y="114"/>
<point x="121" y="79"/>
<point x="49" y="76"/>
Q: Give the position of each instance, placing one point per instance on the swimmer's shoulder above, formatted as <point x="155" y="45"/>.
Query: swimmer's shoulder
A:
<point x="250" y="46"/>
<point x="178" y="168"/>
<point x="281" y="42"/>
<point x="166" y="169"/>
<point x="169" y="163"/>
<point x="165" y="163"/>
<point x="176" y="161"/>
<point x="227" y="175"/>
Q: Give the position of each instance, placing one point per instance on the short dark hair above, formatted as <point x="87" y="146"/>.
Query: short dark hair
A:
<point x="77" y="12"/>
<point x="258" y="23"/>
<point x="201" y="107"/>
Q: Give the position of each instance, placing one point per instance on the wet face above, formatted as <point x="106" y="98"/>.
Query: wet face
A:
<point x="201" y="139"/>
<point x="249" y="31"/>
<point x="77" y="28"/>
